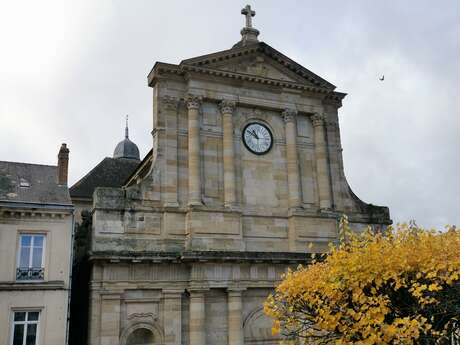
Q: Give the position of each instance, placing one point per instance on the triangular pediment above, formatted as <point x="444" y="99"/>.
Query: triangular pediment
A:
<point x="259" y="60"/>
<point x="260" y="66"/>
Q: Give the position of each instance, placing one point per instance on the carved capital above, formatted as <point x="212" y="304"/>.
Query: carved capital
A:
<point x="193" y="102"/>
<point x="227" y="107"/>
<point x="317" y="119"/>
<point x="289" y="115"/>
<point x="169" y="102"/>
<point x="331" y="124"/>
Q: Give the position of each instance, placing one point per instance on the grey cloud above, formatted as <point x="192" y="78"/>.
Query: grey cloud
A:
<point x="400" y="136"/>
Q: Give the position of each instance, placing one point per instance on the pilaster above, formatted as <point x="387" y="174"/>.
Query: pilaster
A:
<point x="110" y="319"/>
<point x="227" y="108"/>
<point x="172" y="317"/>
<point x="289" y="116"/>
<point x="94" y="317"/>
<point x="169" y="106"/>
<point x="235" y="318"/>
<point x="197" y="322"/>
<point x="322" y="168"/>
<point x="194" y="163"/>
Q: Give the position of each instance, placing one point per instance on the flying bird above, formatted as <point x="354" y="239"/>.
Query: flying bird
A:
<point x="382" y="79"/>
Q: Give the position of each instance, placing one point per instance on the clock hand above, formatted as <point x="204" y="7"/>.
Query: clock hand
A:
<point x="255" y="135"/>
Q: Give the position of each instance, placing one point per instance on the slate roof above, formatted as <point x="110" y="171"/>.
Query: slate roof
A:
<point x="110" y="172"/>
<point x="31" y="183"/>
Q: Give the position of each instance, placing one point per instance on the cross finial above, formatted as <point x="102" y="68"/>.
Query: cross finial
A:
<point x="249" y="14"/>
<point x="248" y="33"/>
<point x="126" y="128"/>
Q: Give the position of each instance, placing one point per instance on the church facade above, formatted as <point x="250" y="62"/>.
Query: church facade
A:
<point x="245" y="170"/>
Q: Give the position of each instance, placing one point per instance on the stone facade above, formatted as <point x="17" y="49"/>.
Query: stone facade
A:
<point x="187" y="251"/>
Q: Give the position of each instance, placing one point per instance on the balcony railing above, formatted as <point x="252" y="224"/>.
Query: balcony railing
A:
<point x="30" y="273"/>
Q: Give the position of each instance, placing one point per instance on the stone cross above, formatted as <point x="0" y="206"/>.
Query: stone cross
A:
<point x="249" y="14"/>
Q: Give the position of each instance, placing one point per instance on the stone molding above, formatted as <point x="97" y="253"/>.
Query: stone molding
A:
<point x="317" y="119"/>
<point x="193" y="102"/>
<point x="289" y="115"/>
<point x="45" y="285"/>
<point x="142" y="315"/>
<point x="169" y="102"/>
<point x="235" y="290"/>
<point x="333" y="97"/>
<point x="172" y="293"/>
<point x="156" y="330"/>
<point x="227" y="107"/>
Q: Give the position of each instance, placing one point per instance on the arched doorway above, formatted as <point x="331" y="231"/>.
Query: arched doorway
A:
<point x="141" y="336"/>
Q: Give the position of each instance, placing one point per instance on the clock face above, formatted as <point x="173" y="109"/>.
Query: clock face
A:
<point x="257" y="138"/>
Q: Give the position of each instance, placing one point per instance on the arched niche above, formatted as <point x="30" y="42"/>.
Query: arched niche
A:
<point x="141" y="336"/>
<point x="141" y="333"/>
<point x="257" y="329"/>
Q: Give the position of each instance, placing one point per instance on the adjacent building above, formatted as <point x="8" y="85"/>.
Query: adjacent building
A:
<point x="36" y="223"/>
<point x="110" y="172"/>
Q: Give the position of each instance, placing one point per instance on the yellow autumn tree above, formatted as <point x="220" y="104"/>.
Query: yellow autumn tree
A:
<point x="400" y="286"/>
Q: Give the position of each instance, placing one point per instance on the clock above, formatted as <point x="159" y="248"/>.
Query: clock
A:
<point x="257" y="138"/>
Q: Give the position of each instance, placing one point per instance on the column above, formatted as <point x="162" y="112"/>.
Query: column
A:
<point x="235" y="319"/>
<point x="197" y="326"/>
<point x="169" y="106"/>
<point x="227" y="108"/>
<point x="172" y="317"/>
<point x="194" y="164"/>
<point x="289" y="116"/>
<point x="322" y="169"/>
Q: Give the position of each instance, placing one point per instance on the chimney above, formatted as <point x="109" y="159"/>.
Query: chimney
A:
<point x="63" y="164"/>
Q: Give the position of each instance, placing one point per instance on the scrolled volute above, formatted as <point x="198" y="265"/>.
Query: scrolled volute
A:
<point x="169" y="102"/>
<point x="193" y="101"/>
<point x="227" y="107"/>
<point x="317" y="119"/>
<point x="289" y="115"/>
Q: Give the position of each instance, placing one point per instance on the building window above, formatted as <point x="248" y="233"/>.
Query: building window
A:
<point x="25" y="327"/>
<point x="31" y="254"/>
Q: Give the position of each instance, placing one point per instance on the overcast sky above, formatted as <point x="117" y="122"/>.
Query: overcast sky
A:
<point x="71" y="70"/>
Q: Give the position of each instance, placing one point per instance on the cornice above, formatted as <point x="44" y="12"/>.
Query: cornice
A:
<point x="35" y="286"/>
<point x="165" y="69"/>
<point x="198" y="256"/>
<point x="254" y="79"/>
<point x="31" y="214"/>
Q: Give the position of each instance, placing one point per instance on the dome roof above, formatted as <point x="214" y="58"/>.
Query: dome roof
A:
<point x="126" y="148"/>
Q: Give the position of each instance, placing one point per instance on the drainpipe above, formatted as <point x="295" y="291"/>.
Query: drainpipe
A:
<point x="69" y="289"/>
